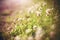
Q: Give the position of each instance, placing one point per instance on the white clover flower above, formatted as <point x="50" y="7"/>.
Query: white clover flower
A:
<point x="34" y="27"/>
<point x="33" y="8"/>
<point x="30" y="9"/>
<point x="38" y="13"/>
<point x="28" y="30"/>
<point x="48" y="11"/>
<point x="40" y="9"/>
<point x="17" y="38"/>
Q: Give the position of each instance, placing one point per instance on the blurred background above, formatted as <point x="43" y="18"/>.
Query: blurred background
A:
<point x="29" y="20"/>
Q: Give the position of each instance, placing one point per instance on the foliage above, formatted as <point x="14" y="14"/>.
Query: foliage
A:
<point x="34" y="20"/>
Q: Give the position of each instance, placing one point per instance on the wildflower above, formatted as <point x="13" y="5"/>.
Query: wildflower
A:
<point x="34" y="27"/>
<point x="48" y="11"/>
<point x="38" y="13"/>
<point x="30" y="9"/>
<point x="33" y="8"/>
<point x="28" y="30"/>
<point x="40" y="9"/>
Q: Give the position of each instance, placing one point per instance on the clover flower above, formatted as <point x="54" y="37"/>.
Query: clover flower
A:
<point x="28" y="30"/>
<point x="34" y="27"/>
<point x="48" y="11"/>
<point x="38" y="13"/>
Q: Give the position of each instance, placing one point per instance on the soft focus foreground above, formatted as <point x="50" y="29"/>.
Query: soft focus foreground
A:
<point x="30" y="20"/>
